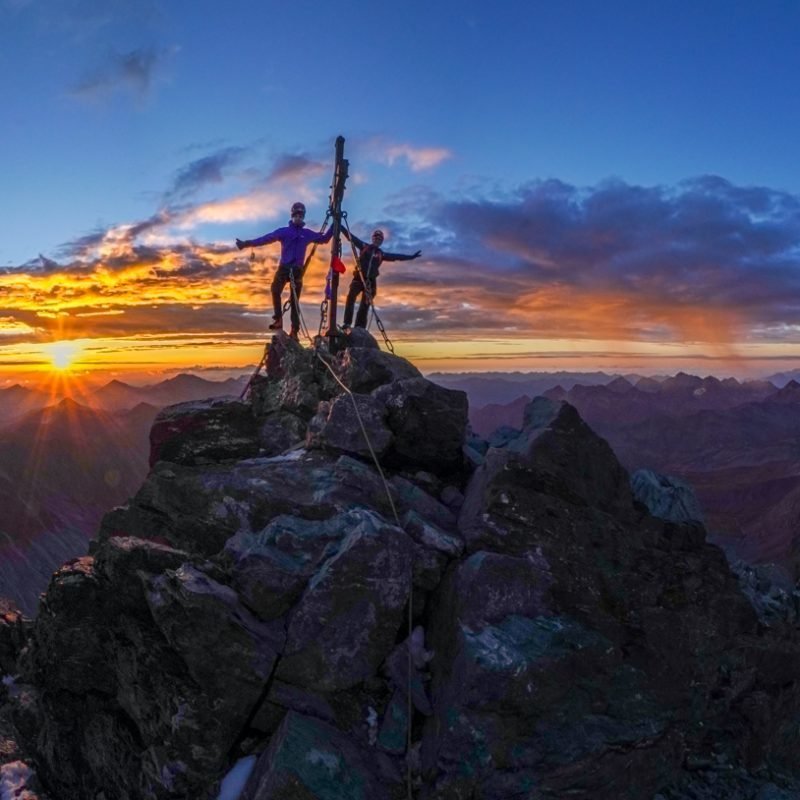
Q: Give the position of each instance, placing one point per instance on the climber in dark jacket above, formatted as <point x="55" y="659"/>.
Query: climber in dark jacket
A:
<point x="294" y="239"/>
<point x="365" y="281"/>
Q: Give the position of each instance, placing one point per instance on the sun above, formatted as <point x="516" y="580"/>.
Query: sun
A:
<point x="62" y="355"/>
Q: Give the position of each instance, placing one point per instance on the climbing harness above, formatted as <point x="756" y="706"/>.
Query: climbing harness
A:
<point x="288" y="303"/>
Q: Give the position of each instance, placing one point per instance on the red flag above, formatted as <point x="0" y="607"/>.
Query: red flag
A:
<point x="338" y="265"/>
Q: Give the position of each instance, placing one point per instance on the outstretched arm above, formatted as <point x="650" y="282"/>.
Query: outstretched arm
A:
<point x="353" y="238"/>
<point x="401" y="256"/>
<point x="267" y="238"/>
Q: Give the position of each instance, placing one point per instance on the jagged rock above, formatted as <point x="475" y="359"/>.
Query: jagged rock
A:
<point x="279" y="432"/>
<point x="206" y="625"/>
<point x="284" y="697"/>
<point x="308" y="758"/>
<point x="70" y="634"/>
<point x="299" y="395"/>
<point x="453" y="498"/>
<point x="338" y="426"/>
<point x="556" y="455"/>
<point x="771" y="591"/>
<point x="500" y="437"/>
<point x="347" y="620"/>
<point x="222" y="629"/>
<point x="199" y="509"/>
<point x="567" y="595"/>
<point x="360" y="338"/>
<point x="430" y="536"/>
<point x="405" y="681"/>
<point x="423" y="504"/>
<point x="570" y="458"/>
<point x="286" y="357"/>
<point x="393" y="732"/>
<point x="124" y="561"/>
<point x="428" y="423"/>
<point x="18" y="780"/>
<point x="364" y="369"/>
<point x="272" y="568"/>
<point x="13" y="629"/>
<point x="564" y="642"/>
<point x="665" y="496"/>
<point x="200" y="432"/>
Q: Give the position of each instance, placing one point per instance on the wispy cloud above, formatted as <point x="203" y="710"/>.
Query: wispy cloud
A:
<point x="296" y="168"/>
<point x="418" y="158"/>
<point x="203" y="171"/>
<point x="132" y="71"/>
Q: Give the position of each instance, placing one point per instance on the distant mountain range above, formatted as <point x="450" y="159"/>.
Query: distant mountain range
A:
<point x="501" y="388"/>
<point x="16" y="401"/>
<point x="63" y="466"/>
<point x="737" y="443"/>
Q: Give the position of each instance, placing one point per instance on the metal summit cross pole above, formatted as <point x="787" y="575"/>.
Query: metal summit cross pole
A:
<point x="337" y="193"/>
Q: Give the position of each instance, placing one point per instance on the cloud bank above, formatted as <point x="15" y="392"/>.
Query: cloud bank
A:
<point x="704" y="261"/>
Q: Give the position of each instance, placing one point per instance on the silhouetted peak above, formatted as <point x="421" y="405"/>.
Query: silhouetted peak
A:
<point x="620" y="385"/>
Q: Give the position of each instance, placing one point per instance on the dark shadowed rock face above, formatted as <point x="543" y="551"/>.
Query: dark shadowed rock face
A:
<point x="510" y="625"/>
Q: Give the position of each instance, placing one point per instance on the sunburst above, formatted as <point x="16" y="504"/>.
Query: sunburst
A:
<point x="63" y="354"/>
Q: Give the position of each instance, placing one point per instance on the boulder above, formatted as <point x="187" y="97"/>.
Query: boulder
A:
<point x="364" y="369"/>
<point x="428" y="423"/>
<point x="347" y="620"/>
<point x="270" y="569"/>
<point x="308" y="758"/>
<point x="279" y="432"/>
<point x="666" y="497"/>
<point x="201" y="432"/>
<point x="359" y="338"/>
<point x="352" y="424"/>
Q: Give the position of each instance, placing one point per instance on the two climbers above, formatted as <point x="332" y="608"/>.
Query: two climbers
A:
<point x="365" y="280"/>
<point x="294" y="239"/>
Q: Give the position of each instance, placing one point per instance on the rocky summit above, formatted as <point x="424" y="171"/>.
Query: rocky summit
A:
<point x="466" y="622"/>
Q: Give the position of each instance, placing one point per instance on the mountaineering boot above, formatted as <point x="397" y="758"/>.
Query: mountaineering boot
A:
<point x="276" y="324"/>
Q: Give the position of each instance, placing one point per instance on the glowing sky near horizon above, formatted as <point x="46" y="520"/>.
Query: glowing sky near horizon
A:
<point x="593" y="184"/>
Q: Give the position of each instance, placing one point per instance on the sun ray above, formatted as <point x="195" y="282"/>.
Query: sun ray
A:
<point x="63" y="354"/>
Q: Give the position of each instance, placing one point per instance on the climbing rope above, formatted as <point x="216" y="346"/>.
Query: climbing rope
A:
<point x="257" y="370"/>
<point x="410" y="708"/>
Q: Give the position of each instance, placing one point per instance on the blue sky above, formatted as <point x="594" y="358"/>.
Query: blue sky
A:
<point x="176" y="126"/>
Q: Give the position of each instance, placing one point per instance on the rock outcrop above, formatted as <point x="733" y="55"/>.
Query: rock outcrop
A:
<point x="666" y="497"/>
<point x="473" y="621"/>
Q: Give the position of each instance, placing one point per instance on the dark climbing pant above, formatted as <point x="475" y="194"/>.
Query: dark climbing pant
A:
<point x="356" y="289"/>
<point x="282" y="277"/>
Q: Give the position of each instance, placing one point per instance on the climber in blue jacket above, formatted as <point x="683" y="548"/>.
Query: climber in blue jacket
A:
<point x="294" y="239"/>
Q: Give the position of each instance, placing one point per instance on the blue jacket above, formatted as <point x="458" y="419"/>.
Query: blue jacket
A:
<point x="294" y="240"/>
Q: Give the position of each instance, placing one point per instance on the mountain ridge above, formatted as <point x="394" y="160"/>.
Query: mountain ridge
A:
<point x="469" y="621"/>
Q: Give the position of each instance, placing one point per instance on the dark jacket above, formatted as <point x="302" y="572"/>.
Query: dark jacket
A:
<point x="370" y="257"/>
